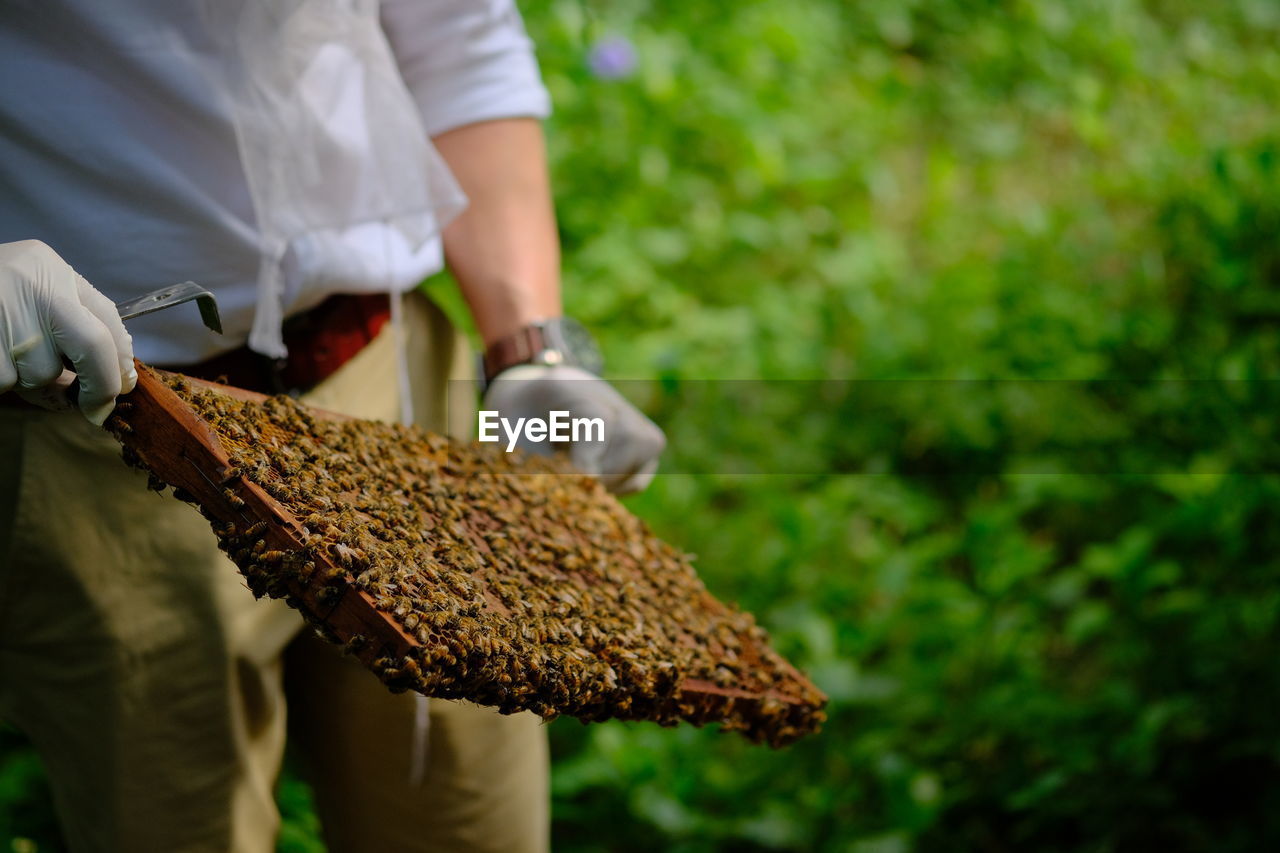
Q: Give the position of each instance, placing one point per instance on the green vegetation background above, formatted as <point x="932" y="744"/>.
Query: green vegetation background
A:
<point x="1019" y="657"/>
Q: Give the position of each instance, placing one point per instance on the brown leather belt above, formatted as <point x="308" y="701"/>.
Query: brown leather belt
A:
<point x="319" y="342"/>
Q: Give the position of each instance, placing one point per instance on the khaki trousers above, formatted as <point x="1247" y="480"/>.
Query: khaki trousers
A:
<point x="158" y="691"/>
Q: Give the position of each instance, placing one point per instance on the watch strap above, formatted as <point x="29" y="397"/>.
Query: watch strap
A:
<point x="519" y="347"/>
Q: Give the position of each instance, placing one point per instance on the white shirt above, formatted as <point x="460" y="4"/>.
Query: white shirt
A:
<point x="274" y="151"/>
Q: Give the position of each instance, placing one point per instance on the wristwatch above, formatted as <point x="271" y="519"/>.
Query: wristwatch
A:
<point x="558" y="340"/>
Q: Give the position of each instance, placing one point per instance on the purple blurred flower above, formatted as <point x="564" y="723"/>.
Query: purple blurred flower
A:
<point x="612" y="58"/>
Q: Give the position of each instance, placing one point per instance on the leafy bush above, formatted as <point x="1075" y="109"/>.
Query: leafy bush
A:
<point x="1025" y="516"/>
<point x="1043" y="609"/>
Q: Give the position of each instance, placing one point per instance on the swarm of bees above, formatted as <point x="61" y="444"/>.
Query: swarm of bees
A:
<point x="525" y="585"/>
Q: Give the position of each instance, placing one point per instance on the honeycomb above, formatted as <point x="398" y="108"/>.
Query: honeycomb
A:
<point x="525" y="585"/>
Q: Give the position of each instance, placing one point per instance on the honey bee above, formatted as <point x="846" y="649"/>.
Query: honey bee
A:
<point x="328" y="596"/>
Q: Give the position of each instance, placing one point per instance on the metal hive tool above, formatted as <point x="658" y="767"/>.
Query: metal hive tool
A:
<point x="459" y="571"/>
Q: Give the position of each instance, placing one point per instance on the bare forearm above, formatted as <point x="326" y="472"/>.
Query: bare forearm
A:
<point x="503" y="249"/>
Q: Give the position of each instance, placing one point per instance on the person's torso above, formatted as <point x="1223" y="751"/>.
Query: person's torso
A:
<point x="243" y="144"/>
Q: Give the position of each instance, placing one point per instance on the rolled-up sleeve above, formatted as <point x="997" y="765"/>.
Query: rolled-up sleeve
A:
<point x="465" y="60"/>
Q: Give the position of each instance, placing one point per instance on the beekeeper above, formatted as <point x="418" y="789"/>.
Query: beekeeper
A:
<point x="302" y="159"/>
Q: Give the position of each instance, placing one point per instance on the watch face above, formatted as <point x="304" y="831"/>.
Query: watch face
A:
<point x="569" y="336"/>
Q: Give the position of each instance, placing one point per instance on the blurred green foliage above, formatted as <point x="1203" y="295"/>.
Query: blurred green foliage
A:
<point x="1019" y="656"/>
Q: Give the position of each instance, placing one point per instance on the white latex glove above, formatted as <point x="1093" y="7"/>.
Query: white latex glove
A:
<point x="625" y="461"/>
<point x="48" y="311"/>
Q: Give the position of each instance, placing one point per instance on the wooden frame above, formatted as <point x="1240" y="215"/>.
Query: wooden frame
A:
<point x="171" y="441"/>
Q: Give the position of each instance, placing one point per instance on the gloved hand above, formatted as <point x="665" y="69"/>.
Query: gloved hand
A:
<point x="627" y="458"/>
<point x="48" y="311"/>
